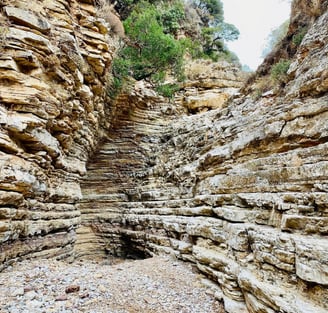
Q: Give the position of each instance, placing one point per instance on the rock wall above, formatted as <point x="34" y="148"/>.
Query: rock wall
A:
<point x="238" y="187"/>
<point x="53" y="63"/>
<point x="239" y="190"/>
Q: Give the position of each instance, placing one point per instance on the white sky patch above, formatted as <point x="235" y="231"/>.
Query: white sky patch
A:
<point x="255" y="20"/>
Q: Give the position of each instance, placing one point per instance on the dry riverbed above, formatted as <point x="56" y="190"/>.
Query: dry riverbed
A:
<point x="154" y="285"/>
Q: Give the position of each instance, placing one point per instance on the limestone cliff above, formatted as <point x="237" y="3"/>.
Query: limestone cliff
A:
<point x="53" y="63"/>
<point x="240" y="190"/>
<point x="237" y="187"/>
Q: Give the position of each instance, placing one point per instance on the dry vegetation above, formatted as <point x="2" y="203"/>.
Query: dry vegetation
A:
<point x="200" y="68"/>
<point x="195" y="69"/>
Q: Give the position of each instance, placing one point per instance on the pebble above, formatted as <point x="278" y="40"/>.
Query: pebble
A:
<point x="155" y="285"/>
<point x="18" y="292"/>
<point x="30" y="295"/>
<point x="72" y="288"/>
<point x="61" y="298"/>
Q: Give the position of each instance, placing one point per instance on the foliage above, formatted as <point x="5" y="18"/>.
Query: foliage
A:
<point x="279" y="71"/>
<point x="170" y="16"/>
<point x="214" y="31"/>
<point x="278" y="77"/>
<point x="125" y="7"/>
<point x="113" y="87"/>
<point x="152" y="48"/>
<point x="150" y="51"/>
<point x="227" y="32"/>
<point x="298" y="37"/>
<point x="167" y="90"/>
<point x="213" y="38"/>
<point x="120" y="71"/>
<point x="275" y="37"/>
<point x="210" y="10"/>
<point x="206" y="27"/>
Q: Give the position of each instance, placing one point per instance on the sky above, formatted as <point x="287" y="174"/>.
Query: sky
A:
<point x="255" y="20"/>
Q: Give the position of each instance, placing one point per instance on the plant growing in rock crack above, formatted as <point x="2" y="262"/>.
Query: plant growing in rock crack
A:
<point x="298" y="36"/>
<point x="167" y="90"/>
<point x="279" y="71"/>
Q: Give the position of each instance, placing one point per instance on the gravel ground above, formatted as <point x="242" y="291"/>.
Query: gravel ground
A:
<point x="154" y="285"/>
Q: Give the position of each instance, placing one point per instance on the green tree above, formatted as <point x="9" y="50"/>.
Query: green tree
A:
<point x="150" y="51"/>
<point x="151" y="46"/>
<point x="209" y="10"/>
<point x="171" y="16"/>
<point x="214" y="31"/>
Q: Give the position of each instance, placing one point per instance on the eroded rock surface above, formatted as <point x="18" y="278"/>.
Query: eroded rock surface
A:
<point x="238" y="189"/>
<point x="53" y="64"/>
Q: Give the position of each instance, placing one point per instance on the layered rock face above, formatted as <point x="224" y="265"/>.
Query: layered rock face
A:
<point x="241" y="191"/>
<point x="126" y="172"/>
<point x="53" y="63"/>
<point x="238" y="188"/>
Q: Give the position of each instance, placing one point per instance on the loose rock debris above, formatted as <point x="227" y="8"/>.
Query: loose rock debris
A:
<point x="154" y="285"/>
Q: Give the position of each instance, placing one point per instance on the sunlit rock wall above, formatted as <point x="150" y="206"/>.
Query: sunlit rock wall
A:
<point x="53" y="62"/>
<point x="121" y="171"/>
<point x="240" y="190"/>
<point x="237" y="187"/>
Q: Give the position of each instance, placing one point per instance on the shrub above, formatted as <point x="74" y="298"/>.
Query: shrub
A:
<point x="120" y="68"/>
<point x="298" y="37"/>
<point x="170" y="17"/>
<point x="167" y="90"/>
<point x="114" y="86"/>
<point x="150" y="51"/>
<point x="279" y="71"/>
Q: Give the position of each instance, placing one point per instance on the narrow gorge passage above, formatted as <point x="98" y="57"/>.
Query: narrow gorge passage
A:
<point x="117" y="177"/>
<point x="228" y="181"/>
<point x="239" y="191"/>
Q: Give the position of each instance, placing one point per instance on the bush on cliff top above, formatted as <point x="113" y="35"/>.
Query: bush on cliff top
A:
<point x="151" y="49"/>
<point x="157" y="39"/>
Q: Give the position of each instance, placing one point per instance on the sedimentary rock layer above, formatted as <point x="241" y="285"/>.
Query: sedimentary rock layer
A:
<point x="238" y="187"/>
<point x="53" y="64"/>
<point x="241" y="191"/>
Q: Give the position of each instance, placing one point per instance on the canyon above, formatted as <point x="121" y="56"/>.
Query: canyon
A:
<point x="221" y="176"/>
